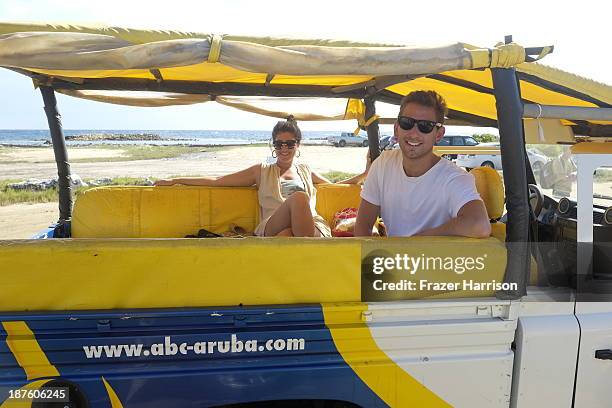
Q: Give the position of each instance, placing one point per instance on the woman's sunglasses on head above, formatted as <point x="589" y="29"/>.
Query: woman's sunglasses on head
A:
<point x="424" y="126"/>
<point x="278" y="144"/>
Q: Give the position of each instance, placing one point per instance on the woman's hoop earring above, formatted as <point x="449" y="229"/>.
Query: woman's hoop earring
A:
<point x="298" y="153"/>
<point x="273" y="153"/>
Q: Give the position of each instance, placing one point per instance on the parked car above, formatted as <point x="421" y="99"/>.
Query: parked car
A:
<point x="452" y="140"/>
<point x="493" y="161"/>
<point x="387" y="142"/>
<point x="457" y="141"/>
<point x="348" y="139"/>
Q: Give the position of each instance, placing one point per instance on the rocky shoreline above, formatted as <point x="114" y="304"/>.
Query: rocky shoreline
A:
<point x="94" y="137"/>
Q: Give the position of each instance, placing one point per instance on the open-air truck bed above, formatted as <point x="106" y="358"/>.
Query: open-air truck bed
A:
<point x="118" y="308"/>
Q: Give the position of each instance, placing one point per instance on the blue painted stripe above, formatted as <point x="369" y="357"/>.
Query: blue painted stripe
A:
<point x="316" y="372"/>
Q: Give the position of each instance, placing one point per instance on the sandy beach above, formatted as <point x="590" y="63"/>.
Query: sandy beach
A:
<point x="24" y="220"/>
<point x="24" y="163"/>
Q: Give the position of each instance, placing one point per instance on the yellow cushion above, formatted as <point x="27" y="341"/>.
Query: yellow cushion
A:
<point x="174" y="212"/>
<point x="498" y="230"/>
<point x="177" y="211"/>
<point x="168" y="212"/>
<point x="491" y="189"/>
<point x="332" y="198"/>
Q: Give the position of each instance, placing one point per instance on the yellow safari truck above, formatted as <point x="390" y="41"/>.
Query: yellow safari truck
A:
<point x="112" y="307"/>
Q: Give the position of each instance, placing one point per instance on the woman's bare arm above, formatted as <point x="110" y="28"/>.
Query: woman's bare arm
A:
<point x="243" y="178"/>
<point x="355" y="179"/>
<point x="351" y="180"/>
<point x="319" y="179"/>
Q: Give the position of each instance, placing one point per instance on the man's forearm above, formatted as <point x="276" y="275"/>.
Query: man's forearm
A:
<point x="366" y="217"/>
<point x="460" y="226"/>
<point x="362" y="229"/>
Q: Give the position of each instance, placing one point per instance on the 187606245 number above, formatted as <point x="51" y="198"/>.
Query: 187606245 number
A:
<point x="51" y="394"/>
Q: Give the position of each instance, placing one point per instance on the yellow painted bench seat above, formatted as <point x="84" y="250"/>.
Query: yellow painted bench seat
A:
<point x="177" y="211"/>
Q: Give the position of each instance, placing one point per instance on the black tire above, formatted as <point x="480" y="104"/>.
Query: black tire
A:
<point x="365" y="143"/>
<point x="488" y="164"/>
<point x="342" y="143"/>
<point x="76" y="396"/>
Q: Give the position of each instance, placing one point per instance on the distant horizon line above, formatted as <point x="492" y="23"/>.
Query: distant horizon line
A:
<point x="187" y="130"/>
<point x="474" y="130"/>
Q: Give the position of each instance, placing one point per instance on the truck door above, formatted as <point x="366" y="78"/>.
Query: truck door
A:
<point x="594" y="287"/>
<point x="594" y="356"/>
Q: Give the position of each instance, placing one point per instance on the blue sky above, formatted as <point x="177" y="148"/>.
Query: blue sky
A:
<point x="580" y="36"/>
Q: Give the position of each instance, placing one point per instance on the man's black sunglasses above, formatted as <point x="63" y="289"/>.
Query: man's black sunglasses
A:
<point x="425" y="126"/>
<point x="278" y="144"/>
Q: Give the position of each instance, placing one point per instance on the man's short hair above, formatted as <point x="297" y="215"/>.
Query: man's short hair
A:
<point x="431" y="99"/>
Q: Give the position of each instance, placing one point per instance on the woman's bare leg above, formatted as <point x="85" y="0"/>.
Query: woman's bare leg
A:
<point x="294" y="213"/>
<point x="285" y="233"/>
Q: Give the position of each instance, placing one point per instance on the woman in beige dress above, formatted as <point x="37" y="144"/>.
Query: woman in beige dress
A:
<point x="286" y="191"/>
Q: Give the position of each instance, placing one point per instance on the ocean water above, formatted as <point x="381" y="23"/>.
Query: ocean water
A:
<point x="169" y="137"/>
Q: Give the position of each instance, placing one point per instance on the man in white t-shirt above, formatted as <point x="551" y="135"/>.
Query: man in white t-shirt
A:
<point x="415" y="191"/>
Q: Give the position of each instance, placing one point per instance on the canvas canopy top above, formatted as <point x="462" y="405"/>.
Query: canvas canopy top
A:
<point x="159" y="68"/>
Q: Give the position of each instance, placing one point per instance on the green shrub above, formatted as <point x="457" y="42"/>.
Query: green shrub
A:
<point x="9" y="196"/>
<point x="335" y="176"/>
<point x="485" y="137"/>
